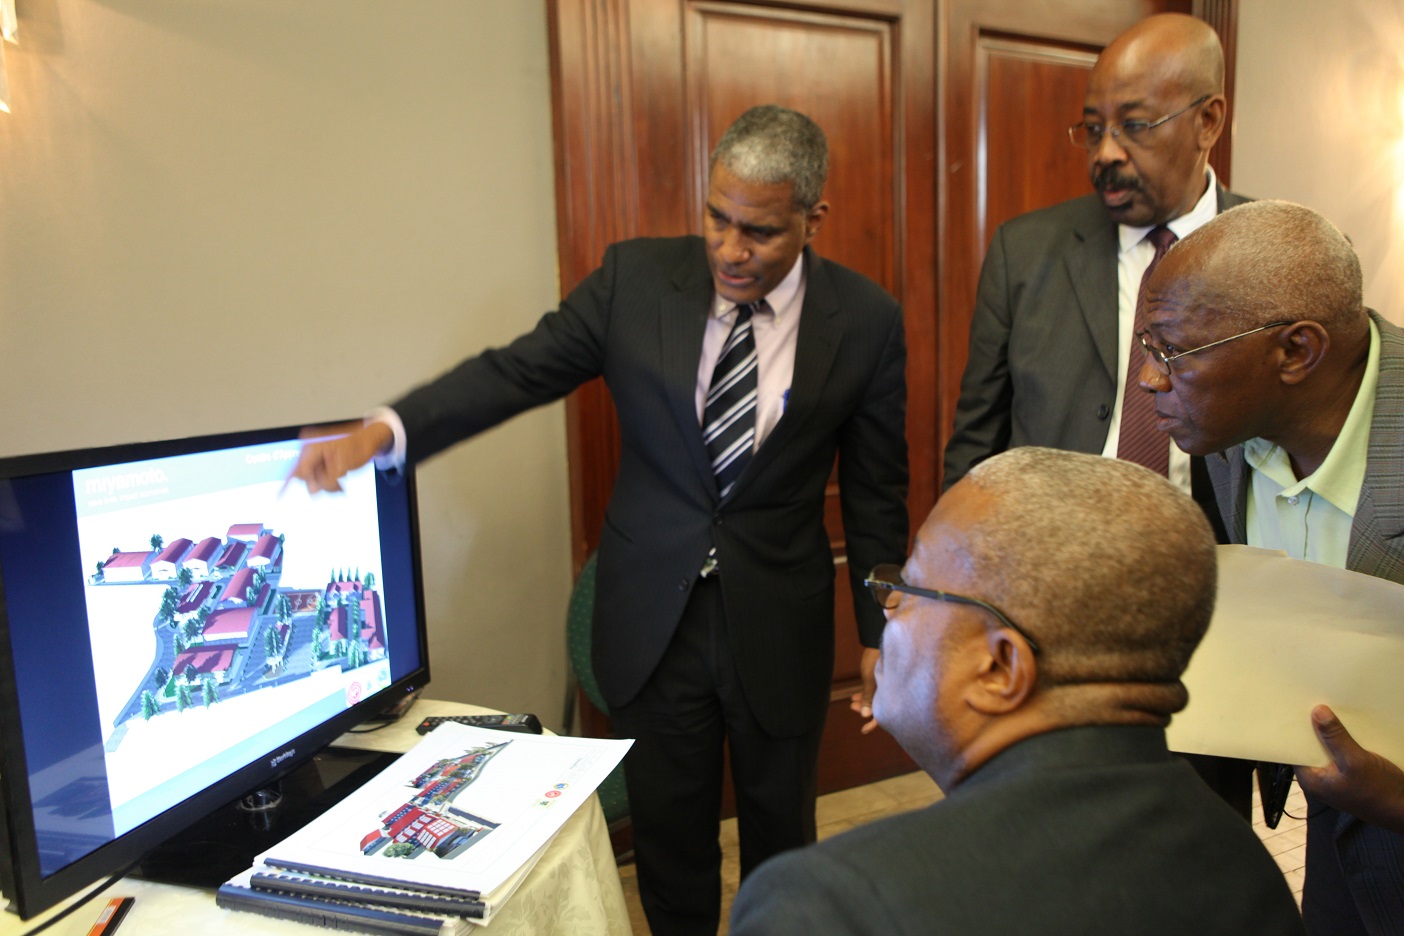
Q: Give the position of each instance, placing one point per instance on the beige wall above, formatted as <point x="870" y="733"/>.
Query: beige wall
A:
<point x="227" y="214"/>
<point x="1320" y="120"/>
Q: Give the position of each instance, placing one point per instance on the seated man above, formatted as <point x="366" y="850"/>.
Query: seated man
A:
<point x="1260" y="349"/>
<point x="1031" y="661"/>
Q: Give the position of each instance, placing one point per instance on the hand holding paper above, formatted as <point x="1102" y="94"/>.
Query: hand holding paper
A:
<point x="1288" y="635"/>
<point x="1356" y="781"/>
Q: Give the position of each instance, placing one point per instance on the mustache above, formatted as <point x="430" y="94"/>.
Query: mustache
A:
<point x="1109" y="177"/>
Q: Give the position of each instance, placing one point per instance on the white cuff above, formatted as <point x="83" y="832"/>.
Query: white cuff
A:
<point x="394" y="459"/>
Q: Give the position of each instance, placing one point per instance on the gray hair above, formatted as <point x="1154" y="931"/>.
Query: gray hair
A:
<point x="1269" y="261"/>
<point x="773" y="145"/>
<point x="1110" y="566"/>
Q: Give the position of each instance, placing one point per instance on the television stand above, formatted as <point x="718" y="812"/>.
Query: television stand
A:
<point x="225" y="842"/>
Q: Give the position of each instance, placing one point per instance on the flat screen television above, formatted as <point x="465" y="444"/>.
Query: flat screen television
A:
<point x="178" y="628"/>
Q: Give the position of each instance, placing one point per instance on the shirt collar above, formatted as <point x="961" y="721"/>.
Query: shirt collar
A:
<point x="1186" y="224"/>
<point x="1342" y="475"/>
<point x="780" y="299"/>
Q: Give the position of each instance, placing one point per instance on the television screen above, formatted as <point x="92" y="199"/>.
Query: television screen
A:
<point x="180" y="626"/>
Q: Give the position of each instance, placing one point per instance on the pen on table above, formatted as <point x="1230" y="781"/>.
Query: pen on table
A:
<point x="111" y="916"/>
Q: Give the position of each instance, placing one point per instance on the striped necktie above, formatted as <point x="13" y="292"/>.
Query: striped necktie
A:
<point x="1140" y="441"/>
<point x="729" y="416"/>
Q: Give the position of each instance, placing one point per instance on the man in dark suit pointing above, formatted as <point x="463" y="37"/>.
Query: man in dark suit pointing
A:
<point x="741" y="364"/>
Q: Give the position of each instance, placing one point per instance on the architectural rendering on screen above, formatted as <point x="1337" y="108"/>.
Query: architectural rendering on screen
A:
<point x="227" y="611"/>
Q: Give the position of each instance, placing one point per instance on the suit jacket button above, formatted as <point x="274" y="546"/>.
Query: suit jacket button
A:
<point x="1103" y="412"/>
<point x="682" y="584"/>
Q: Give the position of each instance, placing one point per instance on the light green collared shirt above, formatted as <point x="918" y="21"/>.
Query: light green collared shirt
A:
<point x="1311" y="518"/>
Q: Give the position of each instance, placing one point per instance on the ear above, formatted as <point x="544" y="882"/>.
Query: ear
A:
<point x="1302" y="345"/>
<point x="1211" y="121"/>
<point x="1007" y="674"/>
<point x="815" y="220"/>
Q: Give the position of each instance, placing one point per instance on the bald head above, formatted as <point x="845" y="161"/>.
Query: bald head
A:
<point x="1268" y="261"/>
<point x="1266" y="298"/>
<point x="1182" y="52"/>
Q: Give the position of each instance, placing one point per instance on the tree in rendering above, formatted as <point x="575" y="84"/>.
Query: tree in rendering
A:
<point x="148" y="705"/>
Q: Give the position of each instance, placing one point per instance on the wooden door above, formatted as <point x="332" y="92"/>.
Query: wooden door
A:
<point x="944" y="118"/>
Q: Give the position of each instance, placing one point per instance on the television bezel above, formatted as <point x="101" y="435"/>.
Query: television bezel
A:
<point x="27" y="891"/>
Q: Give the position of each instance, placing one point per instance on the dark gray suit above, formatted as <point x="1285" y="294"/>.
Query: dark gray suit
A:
<point x="1083" y="830"/>
<point x="1043" y="337"/>
<point x="1369" y="896"/>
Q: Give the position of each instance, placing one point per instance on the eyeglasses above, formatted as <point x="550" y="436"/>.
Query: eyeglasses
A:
<point x="1090" y="136"/>
<point x="1162" y="360"/>
<point x="885" y="583"/>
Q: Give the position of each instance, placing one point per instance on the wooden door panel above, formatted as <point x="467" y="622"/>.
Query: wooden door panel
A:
<point x="1025" y="161"/>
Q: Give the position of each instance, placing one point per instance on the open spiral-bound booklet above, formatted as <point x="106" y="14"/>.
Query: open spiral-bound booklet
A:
<point x="441" y="837"/>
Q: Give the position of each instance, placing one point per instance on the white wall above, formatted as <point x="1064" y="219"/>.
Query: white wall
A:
<point x="1320" y="120"/>
<point x="228" y="214"/>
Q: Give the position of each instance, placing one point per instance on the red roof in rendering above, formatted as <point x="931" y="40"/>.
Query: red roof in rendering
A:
<point x="233" y="555"/>
<point x="246" y="530"/>
<point x="336" y="624"/>
<point x="229" y="623"/>
<point x="195" y="596"/>
<point x="204" y="550"/>
<point x="265" y="548"/>
<point x="239" y="585"/>
<point x="174" y="551"/>
<point x="126" y="559"/>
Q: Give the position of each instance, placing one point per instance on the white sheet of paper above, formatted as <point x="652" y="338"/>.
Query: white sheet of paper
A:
<point x="1288" y="635"/>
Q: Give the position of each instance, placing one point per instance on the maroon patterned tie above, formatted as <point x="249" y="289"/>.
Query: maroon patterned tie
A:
<point x="1140" y="441"/>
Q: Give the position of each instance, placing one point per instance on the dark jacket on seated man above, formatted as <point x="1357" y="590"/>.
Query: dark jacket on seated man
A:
<point x="1031" y="660"/>
<point x="1086" y="830"/>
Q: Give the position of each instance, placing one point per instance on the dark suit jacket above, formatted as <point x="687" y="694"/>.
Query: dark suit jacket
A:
<point x="1084" y="830"/>
<point x="1043" y="337"/>
<point x="1375" y="856"/>
<point x="638" y="321"/>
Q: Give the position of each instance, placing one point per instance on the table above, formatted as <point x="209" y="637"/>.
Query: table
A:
<point x="574" y="889"/>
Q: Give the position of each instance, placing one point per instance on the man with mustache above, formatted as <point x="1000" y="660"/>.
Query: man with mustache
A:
<point x="741" y="364"/>
<point x="1051" y="335"/>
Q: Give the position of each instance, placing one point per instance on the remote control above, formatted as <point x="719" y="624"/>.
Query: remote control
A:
<point x="527" y="723"/>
